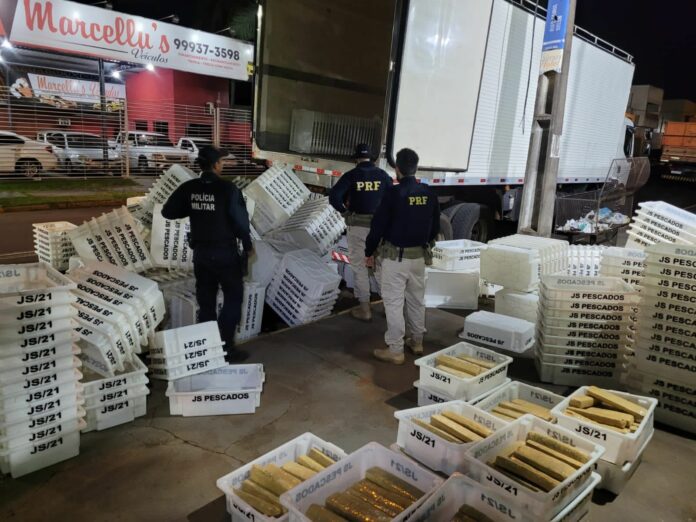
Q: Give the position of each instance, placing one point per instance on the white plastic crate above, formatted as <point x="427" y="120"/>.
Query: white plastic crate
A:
<point x="670" y="232"/>
<point x="499" y="331"/>
<point x="584" y="260"/>
<point x="427" y="396"/>
<point x="10" y="378"/>
<point x="667" y="367"/>
<point x="564" y="291"/>
<point x="430" y="449"/>
<point x="351" y="469"/>
<point x="452" y="289"/>
<point x="513" y="303"/>
<point x="178" y="340"/>
<point x="169" y="246"/>
<point x="224" y="391"/>
<point x="539" y="504"/>
<point x="35" y="456"/>
<point x="457" y="387"/>
<point x="252" y="311"/>
<point x="288" y="452"/>
<point x="263" y="263"/>
<point x="277" y="194"/>
<point x="620" y="447"/>
<point x="669" y="214"/>
<point x="575" y="375"/>
<point x="115" y="413"/>
<point x="215" y="359"/>
<point x="25" y="358"/>
<point x="30" y="284"/>
<point x="134" y="374"/>
<point x="458" y="254"/>
<point x="459" y="490"/>
<point x="189" y="356"/>
<point x="40" y="427"/>
<point x="616" y="476"/>
<point x="519" y="390"/>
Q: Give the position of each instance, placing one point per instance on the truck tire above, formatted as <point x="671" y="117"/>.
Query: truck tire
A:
<point x="445" y="228"/>
<point x="469" y="222"/>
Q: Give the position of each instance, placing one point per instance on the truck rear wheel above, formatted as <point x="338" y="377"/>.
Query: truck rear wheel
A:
<point x="469" y="222"/>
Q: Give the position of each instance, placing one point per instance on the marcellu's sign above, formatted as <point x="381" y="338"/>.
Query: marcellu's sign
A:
<point x="82" y="29"/>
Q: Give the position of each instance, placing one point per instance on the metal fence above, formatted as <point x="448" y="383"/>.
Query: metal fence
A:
<point x="51" y="136"/>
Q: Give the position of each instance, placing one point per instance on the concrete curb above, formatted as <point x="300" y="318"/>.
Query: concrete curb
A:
<point x="64" y="205"/>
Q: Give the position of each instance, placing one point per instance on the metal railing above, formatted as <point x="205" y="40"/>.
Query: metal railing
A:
<point x="53" y="136"/>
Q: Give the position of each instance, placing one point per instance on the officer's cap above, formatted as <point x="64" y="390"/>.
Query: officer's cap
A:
<point x="362" y="150"/>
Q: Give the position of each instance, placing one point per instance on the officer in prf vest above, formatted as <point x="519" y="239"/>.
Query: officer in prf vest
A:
<point x="403" y="230"/>
<point x="357" y="195"/>
<point x="218" y="219"/>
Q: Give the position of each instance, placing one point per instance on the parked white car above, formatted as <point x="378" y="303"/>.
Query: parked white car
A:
<point x="81" y="151"/>
<point x="193" y="145"/>
<point x="149" y="151"/>
<point x="25" y="156"/>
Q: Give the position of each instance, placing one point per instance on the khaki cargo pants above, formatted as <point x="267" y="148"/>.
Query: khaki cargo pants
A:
<point x="356" y="237"/>
<point x="403" y="282"/>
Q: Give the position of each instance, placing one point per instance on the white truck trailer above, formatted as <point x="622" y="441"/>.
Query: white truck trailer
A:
<point x="453" y="79"/>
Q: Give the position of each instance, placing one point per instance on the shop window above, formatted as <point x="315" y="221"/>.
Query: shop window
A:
<point x="199" y="130"/>
<point x="161" y="126"/>
<point x="141" y="125"/>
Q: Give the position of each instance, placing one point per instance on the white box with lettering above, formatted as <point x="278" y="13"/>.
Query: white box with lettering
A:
<point x="540" y="505"/>
<point x="460" y="490"/>
<point x="499" y="331"/>
<point x="620" y="447"/>
<point x="345" y="473"/>
<point x="519" y="390"/>
<point x="288" y="452"/>
<point x="224" y="391"/>
<point x="432" y="450"/>
<point x="457" y="387"/>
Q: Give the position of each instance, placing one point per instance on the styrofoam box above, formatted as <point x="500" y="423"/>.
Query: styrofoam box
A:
<point x="513" y="303"/>
<point x="620" y="447"/>
<point x="458" y="490"/>
<point x="343" y="474"/>
<point x="519" y="390"/>
<point x="224" y="391"/>
<point x="542" y="505"/>
<point x="499" y="331"/>
<point x="426" y="396"/>
<point x="115" y="413"/>
<point x="616" y="476"/>
<point x="35" y="456"/>
<point x="576" y="376"/>
<point x="288" y="452"/>
<point x="452" y="289"/>
<point x="459" y="387"/>
<point x="431" y="450"/>
<point x="192" y="368"/>
<point x="458" y="254"/>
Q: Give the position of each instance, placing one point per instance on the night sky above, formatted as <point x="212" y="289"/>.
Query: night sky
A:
<point x="661" y="35"/>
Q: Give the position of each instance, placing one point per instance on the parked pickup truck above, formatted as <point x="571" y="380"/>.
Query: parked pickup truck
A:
<point x="192" y="145"/>
<point x="149" y="152"/>
<point x="81" y="151"/>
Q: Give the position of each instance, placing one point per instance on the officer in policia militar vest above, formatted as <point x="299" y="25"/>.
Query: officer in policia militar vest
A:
<point x="218" y="218"/>
<point x="401" y="236"/>
<point x="356" y="196"/>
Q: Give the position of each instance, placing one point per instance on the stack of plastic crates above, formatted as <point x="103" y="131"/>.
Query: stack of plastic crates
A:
<point x="277" y="194"/>
<point x="304" y="289"/>
<point x="626" y="263"/>
<point x="118" y="311"/>
<point x="40" y="405"/>
<point x="114" y="238"/>
<point x="160" y="191"/>
<point x="584" y="260"/>
<point x="110" y="401"/>
<point x="663" y="363"/>
<point x="186" y="351"/>
<point x="583" y="328"/>
<point x="315" y="226"/>
<point x="517" y="262"/>
<point x="659" y="222"/>
<point x="52" y="243"/>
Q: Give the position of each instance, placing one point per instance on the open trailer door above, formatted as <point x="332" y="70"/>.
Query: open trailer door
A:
<point x="437" y="78"/>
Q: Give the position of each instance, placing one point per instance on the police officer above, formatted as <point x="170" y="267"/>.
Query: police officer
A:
<point x="218" y="218"/>
<point x="357" y="195"/>
<point x="402" y="233"/>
